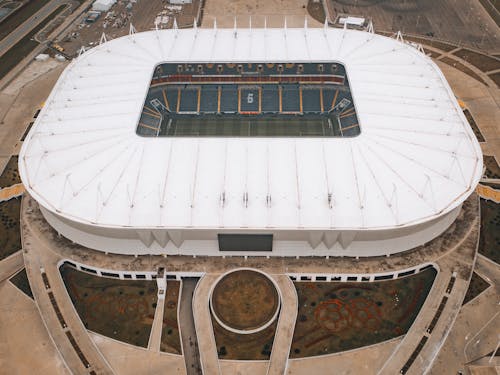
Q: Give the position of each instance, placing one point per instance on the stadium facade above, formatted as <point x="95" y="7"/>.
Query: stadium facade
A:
<point x="287" y="142"/>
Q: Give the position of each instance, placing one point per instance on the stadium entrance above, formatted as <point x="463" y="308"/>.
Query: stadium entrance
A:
<point x="249" y="100"/>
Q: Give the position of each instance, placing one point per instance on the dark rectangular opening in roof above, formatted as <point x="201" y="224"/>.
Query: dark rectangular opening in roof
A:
<point x="249" y="100"/>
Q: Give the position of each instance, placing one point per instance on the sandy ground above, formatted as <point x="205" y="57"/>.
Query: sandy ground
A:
<point x="22" y="332"/>
<point x="273" y="12"/>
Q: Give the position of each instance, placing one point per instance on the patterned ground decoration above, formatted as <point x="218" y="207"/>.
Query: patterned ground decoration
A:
<point x="245" y="300"/>
<point x="338" y="316"/>
<point x="121" y="309"/>
<point x="170" y="338"/>
<point x="489" y="241"/>
<point x="256" y="346"/>
<point x="492" y="170"/>
<point x="10" y="235"/>
<point x="10" y="175"/>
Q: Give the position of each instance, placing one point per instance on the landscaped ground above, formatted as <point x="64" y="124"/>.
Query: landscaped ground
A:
<point x="170" y="338"/>
<point x="256" y="346"/>
<point x="20" y="280"/>
<point x="245" y="300"/>
<point x="10" y="235"/>
<point x="489" y="241"/>
<point x="338" y="316"/>
<point x="474" y="126"/>
<point x="316" y="10"/>
<point x="476" y="287"/>
<point x="492" y="168"/>
<point x="121" y="309"/>
<point x="10" y="174"/>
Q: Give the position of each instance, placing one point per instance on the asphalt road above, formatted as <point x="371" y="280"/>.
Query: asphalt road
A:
<point x="23" y="29"/>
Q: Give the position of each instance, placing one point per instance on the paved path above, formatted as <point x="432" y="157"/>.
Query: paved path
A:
<point x="286" y="325"/>
<point x="25" y="345"/>
<point x="187" y="327"/>
<point x="203" y="323"/>
<point x="362" y="361"/>
<point x="11" y="265"/>
<point x="156" y="328"/>
<point x="128" y="359"/>
<point x="458" y="265"/>
<point x="38" y="258"/>
<point x="474" y="333"/>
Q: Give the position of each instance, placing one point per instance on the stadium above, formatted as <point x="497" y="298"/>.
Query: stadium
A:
<point x="274" y="142"/>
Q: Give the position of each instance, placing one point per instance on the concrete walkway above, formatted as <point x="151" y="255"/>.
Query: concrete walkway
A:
<point x="203" y="323"/>
<point x="25" y="345"/>
<point x="286" y="324"/>
<point x="39" y="259"/>
<point x="133" y="360"/>
<point x="455" y="268"/>
<point x="156" y="328"/>
<point x="11" y="265"/>
<point x="475" y="331"/>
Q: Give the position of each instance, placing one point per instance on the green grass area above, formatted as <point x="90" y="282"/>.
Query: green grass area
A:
<point x="339" y="316"/>
<point x="25" y="46"/>
<point x="170" y="335"/>
<point x="489" y="240"/>
<point x="476" y="287"/>
<point x="10" y="232"/>
<point x="10" y="175"/>
<point x="20" y="15"/>
<point x="121" y="309"/>
<point x="20" y="280"/>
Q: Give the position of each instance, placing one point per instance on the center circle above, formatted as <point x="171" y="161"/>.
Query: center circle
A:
<point x="245" y="301"/>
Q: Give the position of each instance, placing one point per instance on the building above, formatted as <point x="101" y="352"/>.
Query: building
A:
<point x="103" y="5"/>
<point x="180" y="1"/>
<point x="279" y="142"/>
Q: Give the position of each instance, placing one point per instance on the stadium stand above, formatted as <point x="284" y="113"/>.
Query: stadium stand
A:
<point x="249" y="99"/>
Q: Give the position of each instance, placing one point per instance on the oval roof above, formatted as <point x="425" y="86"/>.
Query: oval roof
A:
<point x="416" y="157"/>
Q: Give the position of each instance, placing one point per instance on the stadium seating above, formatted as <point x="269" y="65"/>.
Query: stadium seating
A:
<point x="249" y="99"/>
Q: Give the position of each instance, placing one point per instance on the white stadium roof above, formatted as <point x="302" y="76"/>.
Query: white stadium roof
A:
<point x="415" y="159"/>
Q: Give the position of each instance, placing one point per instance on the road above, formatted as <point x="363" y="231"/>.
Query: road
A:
<point x="16" y="35"/>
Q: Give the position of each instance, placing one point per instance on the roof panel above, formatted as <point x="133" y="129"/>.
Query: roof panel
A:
<point x="416" y="157"/>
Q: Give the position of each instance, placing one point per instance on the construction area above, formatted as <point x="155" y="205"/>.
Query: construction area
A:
<point x="116" y="22"/>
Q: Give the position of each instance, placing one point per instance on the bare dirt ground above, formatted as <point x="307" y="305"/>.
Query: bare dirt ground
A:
<point x="462" y="22"/>
<point x="273" y="12"/>
<point x="116" y="22"/>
